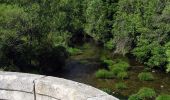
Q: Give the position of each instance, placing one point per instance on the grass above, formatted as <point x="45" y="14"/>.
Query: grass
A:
<point x="163" y="97"/>
<point x="107" y="90"/>
<point x="146" y="76"/>
<point x="143" y="94"/>
<point x="108" y="62"/>
<point x="120" y="86"/>
<point x="122" y="75"/>
<point x="116" y="70"/>
<point x="134" y="97"/>
<point x="102" y="73"/>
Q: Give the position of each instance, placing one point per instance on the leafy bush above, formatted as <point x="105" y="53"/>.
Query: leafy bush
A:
<point x="107" y="90"/>
<point x="168" y="56"/>
<point x="143" y="94"/>
<point x="120" y="86"/>
<point x="122" y="75"/>
<point x="110" y="45"/>
<point x="145" y="76"/>
<point x="163" y="97"/>
<point x="74" y="51"/>
<point x="104" y="74"/>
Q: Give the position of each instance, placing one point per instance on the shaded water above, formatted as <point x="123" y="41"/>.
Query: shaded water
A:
<point x="81" y="68"/>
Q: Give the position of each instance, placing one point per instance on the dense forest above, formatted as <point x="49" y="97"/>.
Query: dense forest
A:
<point x="37" y="36"/>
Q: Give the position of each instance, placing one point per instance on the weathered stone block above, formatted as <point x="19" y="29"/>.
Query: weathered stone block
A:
<point x="68" y="90"/>
<point x="15" y="95"/>
<point x="17" y="81"/>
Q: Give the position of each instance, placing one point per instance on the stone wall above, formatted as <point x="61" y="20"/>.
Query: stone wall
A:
<point x="22" y="86"/>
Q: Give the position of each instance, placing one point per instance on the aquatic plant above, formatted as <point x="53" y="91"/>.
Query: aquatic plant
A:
<point x="120" y="64"/>
<point x="146" y="93"/>
<point x="163" y="97"/>
<point x="116" y="70"/>
<point x="134" y="97"/>
<point x="102" y="73"/>
<point x="146" y="76"/>
<point x="122" y="75"/>
<point x="108" y="62"/>
<point x="143" y="94"/>
<point x="120" y="86"/>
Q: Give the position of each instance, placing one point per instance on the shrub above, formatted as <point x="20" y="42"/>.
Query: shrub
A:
<point x="107" y="90"/>
<point x="143" y="94"/>
<point x="168" y="56"/>
<point x="102" y="73"/>
<point x="163" y="97"/>
<point x="122" y="75"/>
<point x="74" y="51"/>
<point x="110" y="44"/>
<point x="145" y="76"/>
<point x="120" y="86"/>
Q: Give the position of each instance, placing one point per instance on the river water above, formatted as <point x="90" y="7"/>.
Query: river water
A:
<point x="82" y="68"/>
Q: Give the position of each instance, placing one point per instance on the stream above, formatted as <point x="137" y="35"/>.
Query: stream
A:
<point x="82" y="68"/>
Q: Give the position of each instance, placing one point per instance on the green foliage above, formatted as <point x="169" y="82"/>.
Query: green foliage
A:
<point x="157" y="54"/>
<point x="107" y="90"/>
<point x="99" y="24"/>
<point x="146" y="93"/>
<point x="122" y="64"/>
<point x="108" y="62"/>
<point x="143" y="94"/>
<point x="74" y="51"/>
<point x="168" y="56"/>
<point x="120" y="86"/>
<point x="102" y="73"/>
<point x="163" y="97"/>
<point x="122" y="75"/>
<point x="138" y="27"/>
<point x="145" y="76"/>
<point x="117" y="70"/>
<point x="110" y="45"/>
<point x="118" y="67"/>
<point x="134" y="97"/>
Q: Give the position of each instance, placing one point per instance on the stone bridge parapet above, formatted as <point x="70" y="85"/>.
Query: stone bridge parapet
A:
<point x="22" y="86"/>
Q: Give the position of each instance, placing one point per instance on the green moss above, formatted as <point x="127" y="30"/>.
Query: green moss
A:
<point x="122" y="75"/>
<point x="102" y="73"/>
<point x="163" y="97"/>
<point x="120" y="86"/>
<point x="143" y="94"/>
<point x="145" y="76"/>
